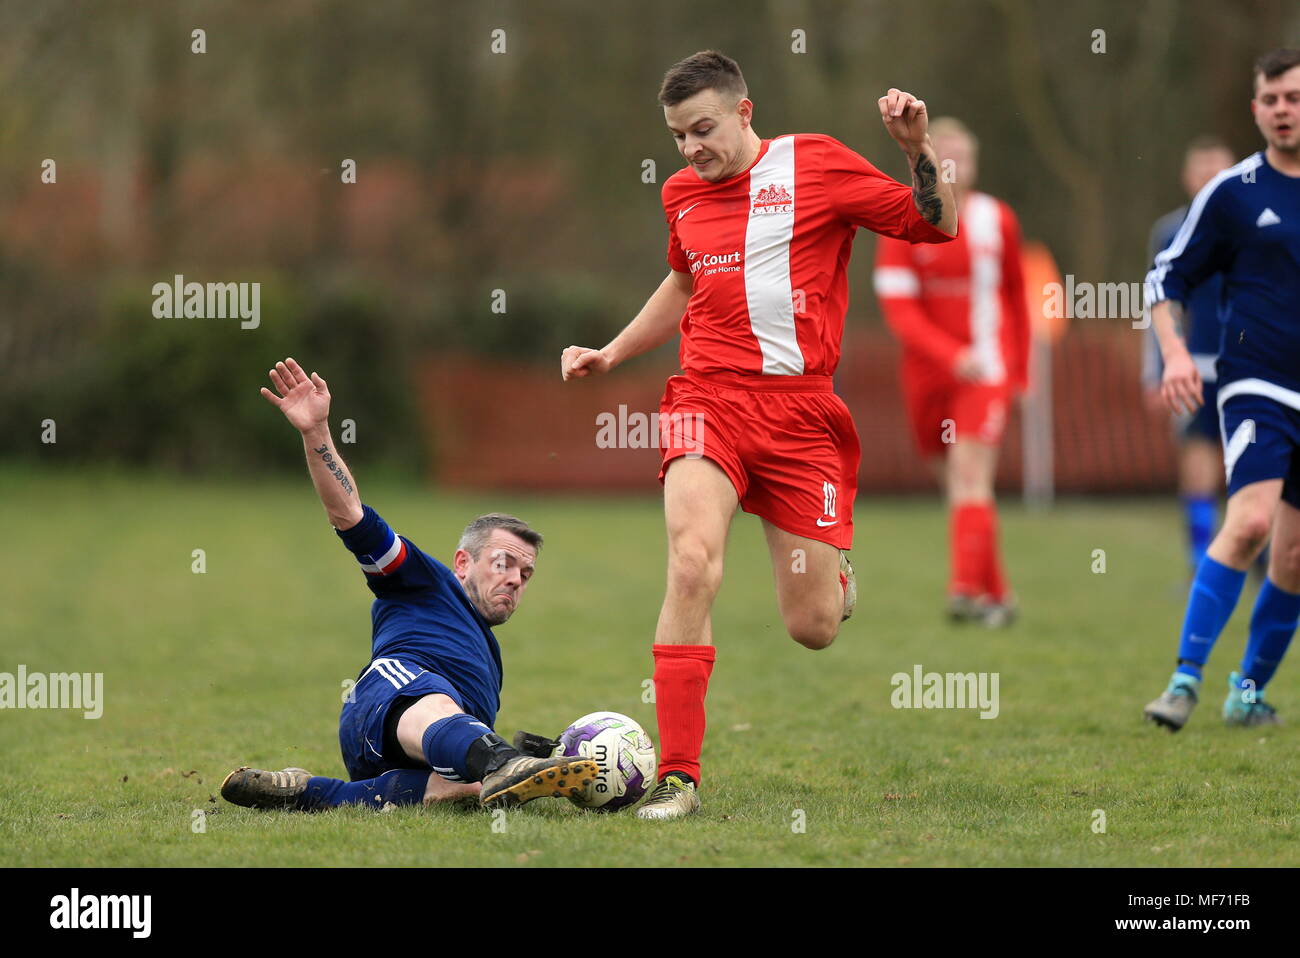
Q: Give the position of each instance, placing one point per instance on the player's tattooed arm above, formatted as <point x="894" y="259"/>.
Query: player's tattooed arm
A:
<point x="332" y="478"/>
<point x="335" y="466"/>
<point x="305" y="402"/>
<point x="908" y="122"/>
<point x="925" y="189"/>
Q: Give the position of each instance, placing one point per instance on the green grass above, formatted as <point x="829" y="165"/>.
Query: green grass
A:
<point x="245" y="664"/>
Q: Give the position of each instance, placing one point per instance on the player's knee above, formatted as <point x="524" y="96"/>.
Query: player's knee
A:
<point x="693" y="572"/>
<point x="968" y="483"/>
<point x="423" y="713"/>
<point x="813" y="631"/>
<point x="1248" y="533"/>
<point x="1284" y="565"/>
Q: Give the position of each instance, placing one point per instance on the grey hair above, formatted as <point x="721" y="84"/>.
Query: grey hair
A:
<point x="476" y="534"/>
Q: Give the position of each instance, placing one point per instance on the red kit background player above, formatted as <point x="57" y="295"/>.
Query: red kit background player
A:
<point x="759" y="234"/>
<point x="959" y="311"/>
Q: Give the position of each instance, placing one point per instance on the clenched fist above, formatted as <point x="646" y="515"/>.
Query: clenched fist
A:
<point x="579" y="361"/>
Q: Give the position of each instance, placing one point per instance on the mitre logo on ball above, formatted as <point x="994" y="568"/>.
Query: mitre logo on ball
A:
<point x="622" y="750"/>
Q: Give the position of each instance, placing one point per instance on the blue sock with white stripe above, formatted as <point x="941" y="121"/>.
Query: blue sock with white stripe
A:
<point x="396" y="787"/>
<point x="1200" y="514"/>
<point x="1272" y="625"/>
<point x="446" y="743"/>
<point x="1214" y="595"/>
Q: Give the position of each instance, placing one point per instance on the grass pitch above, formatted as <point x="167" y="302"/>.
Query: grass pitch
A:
<point x="806" y="761"/>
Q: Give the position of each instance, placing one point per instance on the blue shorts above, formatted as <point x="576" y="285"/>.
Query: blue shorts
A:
<point x="1261" y="439"/>
<point x="1204" y="423"/>
<point x="361" y="724"/>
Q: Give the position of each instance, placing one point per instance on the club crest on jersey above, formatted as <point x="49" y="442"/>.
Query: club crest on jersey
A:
<point x="772" y="199"/>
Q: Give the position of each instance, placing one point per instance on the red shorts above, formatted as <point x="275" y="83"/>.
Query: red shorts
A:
<point x="786" y="442"/>
<point x="942" y="412"/>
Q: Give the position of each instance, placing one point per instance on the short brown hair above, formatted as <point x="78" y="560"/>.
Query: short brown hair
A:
<point x="706" y="70"/>
<point x="476" y="534"/>
<point x="1273" y="64"/>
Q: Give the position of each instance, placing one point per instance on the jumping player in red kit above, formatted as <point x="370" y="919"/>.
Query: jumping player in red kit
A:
<point x="960" y="313"/>
<point x="759" y="235"/>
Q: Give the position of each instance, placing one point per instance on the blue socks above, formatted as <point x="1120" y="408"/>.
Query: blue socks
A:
<point x="447" y="742"/>
<point x="1272" y="625"/>
<point x="1200" y="513"/>
<point x="398" y="787"/>
<point x="1214" y="595"/>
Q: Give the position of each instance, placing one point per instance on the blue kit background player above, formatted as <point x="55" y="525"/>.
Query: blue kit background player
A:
<point x="417" y="727"/>
<point x="1244" y="224"/>
<point x="1200" y="464"/>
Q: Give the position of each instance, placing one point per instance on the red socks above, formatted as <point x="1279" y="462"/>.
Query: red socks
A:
<point x="681" y="682"/>
<point x="976" y="560"/>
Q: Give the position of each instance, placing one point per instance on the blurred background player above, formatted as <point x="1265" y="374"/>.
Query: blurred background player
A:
<point x="759" y="237"/>
<point x="417" y="725"/>
<point x="1245" y="224"/>
<point x="1200" y="463"/>
<point x="959" y="311"/>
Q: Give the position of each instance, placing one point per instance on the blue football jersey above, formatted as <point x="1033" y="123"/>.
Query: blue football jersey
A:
<point x="1244" y="224"/>
<point x="422" y="615"/>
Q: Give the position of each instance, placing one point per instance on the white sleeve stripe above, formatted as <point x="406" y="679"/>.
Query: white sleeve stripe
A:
<point x="1155" y="289"/>
<point x="382" y="561"/>
<point x="896" y="281"/>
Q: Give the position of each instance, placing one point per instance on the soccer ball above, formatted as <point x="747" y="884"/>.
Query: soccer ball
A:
<point x="624" y="752"/>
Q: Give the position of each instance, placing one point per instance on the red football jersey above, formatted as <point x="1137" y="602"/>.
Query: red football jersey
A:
<point x="767" y="251"/>
<point x="939" y="300"/>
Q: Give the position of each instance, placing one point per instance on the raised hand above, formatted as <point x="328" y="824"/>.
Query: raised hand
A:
<point x="579" y="361"/>
<point x="304" y="400"/>
<point x="905" y="118"/>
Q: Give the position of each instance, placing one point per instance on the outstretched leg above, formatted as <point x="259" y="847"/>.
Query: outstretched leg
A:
<point x="299" y="789"/>
<point x="457" y="746"/>
<point x="699" y="502"/>
<point x="458" y="751"/>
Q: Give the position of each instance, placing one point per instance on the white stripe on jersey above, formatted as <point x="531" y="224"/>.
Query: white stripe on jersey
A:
<point x="1154" y="287"/>
<point x="983" y="226"/>
<point x="401" y="669"/>
<point x="397" y="674"/>
<point x="767" y="264"/>
<point x="896" y="281"/>
<point x="378" y="565"/>
<point x="384" y="667"/>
